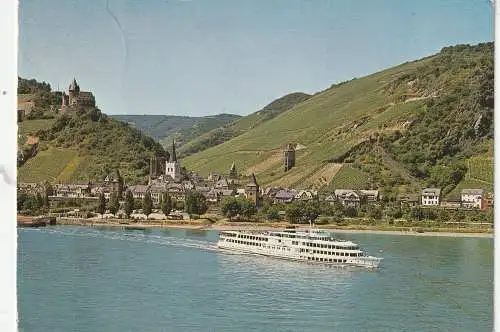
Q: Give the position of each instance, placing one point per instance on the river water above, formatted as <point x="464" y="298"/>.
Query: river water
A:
<point x="89" y="279"/>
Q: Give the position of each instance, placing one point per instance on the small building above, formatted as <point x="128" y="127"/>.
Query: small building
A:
<point x="157" y="190"/>
<point x="222" y="184"/>
<point x="79" y="189"/>
<point x="284" y="196"/>
<point x="138" y="191"/>
<point x="472" y="198"/>
<point x="453" y="202"/>
<point x="188" y="185"/>
<point x="370" y="195"/>
<point x="306" y="195"/>
<point x="331" y="199"/>
<point x="99" y="189"/>
<point x="431" y="196"/>
<point x="270" y="192"/>
<point x="349" y="197"/>
<point x="177" y="191"/>
<point x="211" y="196"/>
<point x="409" y="200"/>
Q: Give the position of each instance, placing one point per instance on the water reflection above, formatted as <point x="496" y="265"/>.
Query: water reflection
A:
<point x="262" y="265"/>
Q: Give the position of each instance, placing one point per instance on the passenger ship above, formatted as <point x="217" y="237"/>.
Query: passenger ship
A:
<point x="309" y="245"/>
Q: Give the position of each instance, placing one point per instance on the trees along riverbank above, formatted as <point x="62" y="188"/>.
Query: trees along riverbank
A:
<point x="380" y="214"/>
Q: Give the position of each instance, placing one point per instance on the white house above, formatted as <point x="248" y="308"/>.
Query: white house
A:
<point x="431" y="196"/>
<point x="306" y="195"/>
<point x="348" y="197"/>
<point x="472" y="198"/>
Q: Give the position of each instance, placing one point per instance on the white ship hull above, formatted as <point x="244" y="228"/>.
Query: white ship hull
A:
<point x="296" y="247"/>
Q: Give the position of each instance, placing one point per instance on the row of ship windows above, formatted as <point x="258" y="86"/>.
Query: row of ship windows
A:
<point x="249" y="237"/>
<point x="331" y="260"/>
<point x="324" y="246"/>
<point x="321" y="252"/>
<point x="249" y="243"/>
<point x="307" y="244"/>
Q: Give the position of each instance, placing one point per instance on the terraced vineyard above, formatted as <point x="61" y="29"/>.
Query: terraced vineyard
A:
<point x="422" y="113"/>
<point x="46" y="165"/>
<point x="481" y="168"/>
<point x="349" y="177"/>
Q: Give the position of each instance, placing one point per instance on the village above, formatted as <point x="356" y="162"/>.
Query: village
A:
<point x="168" y="177"/>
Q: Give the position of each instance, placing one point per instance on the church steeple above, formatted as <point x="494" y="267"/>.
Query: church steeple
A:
<point x="173" y="158"/>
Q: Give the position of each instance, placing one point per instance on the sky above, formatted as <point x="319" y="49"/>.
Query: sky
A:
<point x="205" y="57"/>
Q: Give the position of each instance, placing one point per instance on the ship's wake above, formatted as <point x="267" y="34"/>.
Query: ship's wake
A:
<point x="132" y="236"/>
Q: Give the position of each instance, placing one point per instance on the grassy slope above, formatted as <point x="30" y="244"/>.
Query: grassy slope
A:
<point x="315" y="124"/>
<point x="83" y="149"/>
<point x="441" y="96"/>
<point x="46" y="165"/>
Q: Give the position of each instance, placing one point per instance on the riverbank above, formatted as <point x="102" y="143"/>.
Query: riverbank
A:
<point x="204" y="224"/>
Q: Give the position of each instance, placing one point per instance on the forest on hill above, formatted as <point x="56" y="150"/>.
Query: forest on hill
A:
<point x="81" y="144"/>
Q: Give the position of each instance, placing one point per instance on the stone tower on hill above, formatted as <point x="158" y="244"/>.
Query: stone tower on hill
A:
<point x="289" y="155"/>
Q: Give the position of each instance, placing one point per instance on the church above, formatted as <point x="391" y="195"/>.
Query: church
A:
<point x="165" y="170"/>
<point x="172" y="166"/>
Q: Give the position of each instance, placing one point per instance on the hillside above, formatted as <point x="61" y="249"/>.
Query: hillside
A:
<point x="164" y="128"/>
<point x="225" y="133"/>
<point x="82" y="144"/>
<point x="420" y="123"/>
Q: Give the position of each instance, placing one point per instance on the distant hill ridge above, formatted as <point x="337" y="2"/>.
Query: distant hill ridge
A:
<point x="164" y="128"/>
<point x="234" y="129"/>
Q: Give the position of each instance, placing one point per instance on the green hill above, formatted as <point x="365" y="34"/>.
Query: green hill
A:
<point x="225" y="133"/>
<point x="83" y="144"/>
<point x="402" y="128"/>
<point x="164" y="128"/>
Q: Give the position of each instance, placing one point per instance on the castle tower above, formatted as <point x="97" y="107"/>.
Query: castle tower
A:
<point x="253" y="191"/>
<point x="73" y="91"/>
<point x="64" y="100"/>
<point x="289" y="155"/>
<point x="233" y="174"/>
<point x="172" y="166"/>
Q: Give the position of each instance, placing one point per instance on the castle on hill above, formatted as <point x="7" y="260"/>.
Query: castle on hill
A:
<point x="77" y="98"/>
